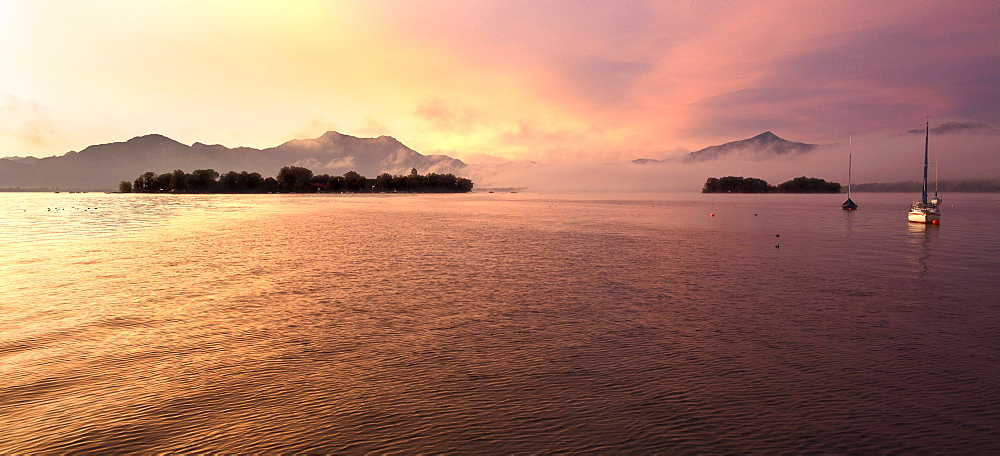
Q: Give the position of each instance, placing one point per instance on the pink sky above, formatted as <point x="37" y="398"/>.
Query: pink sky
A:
<point x="554" y="81"/>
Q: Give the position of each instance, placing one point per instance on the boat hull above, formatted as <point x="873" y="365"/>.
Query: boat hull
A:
<point x="923" y="216"/>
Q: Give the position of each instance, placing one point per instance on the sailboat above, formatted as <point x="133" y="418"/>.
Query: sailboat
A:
<point x="923" y="211"/>
<point x="849" y="205"/>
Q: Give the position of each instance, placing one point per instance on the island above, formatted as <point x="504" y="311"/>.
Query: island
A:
<point x="733" y="184"/>
<point x="293" y="179"/>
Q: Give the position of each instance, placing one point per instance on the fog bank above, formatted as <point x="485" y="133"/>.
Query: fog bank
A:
<point x="876" y="158"/>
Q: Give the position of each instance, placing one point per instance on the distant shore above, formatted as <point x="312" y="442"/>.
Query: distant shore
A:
<point x="951" y="186"/>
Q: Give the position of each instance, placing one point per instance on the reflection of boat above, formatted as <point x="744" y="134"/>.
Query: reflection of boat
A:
<point x="849" y="205"/>
<point x="920" y="238"/>
<point x="924" y="211"/>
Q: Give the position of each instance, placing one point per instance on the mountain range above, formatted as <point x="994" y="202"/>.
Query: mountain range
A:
<point x="763" y="146"/>
<point x="102" y="167"/>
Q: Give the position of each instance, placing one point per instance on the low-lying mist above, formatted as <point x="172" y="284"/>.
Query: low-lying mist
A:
<point x="876" y="158"/>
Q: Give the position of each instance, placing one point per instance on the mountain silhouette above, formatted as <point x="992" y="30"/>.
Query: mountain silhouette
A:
<point x="764" y="146"/>
<point x="104" y="166"/>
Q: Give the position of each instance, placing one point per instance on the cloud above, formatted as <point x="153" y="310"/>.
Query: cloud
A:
<point x="604" y="82"/>
<point x="547" y="81"/>
<point x="315" y="128"/>
<point x="958" y="127"/>
<point x="337" y="163"/>
<point x="26" y="122"/>
<point x="449" y="116"/>
<point x="372" y="127"/>
<point x="836" y="67"/>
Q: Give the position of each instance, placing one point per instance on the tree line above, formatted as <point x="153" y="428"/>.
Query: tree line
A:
<point x="293" y="179"/>
<point x="733" y="184"/>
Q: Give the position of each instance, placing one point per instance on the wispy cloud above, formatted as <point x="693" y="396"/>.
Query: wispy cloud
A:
<point x="27" y="124"/>
<point x="552" y="81"/>
<point x="959" y="127"/>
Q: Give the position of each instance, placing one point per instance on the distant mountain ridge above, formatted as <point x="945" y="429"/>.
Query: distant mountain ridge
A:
<point x="761" y="147"/>
<point x="104" y="166"/>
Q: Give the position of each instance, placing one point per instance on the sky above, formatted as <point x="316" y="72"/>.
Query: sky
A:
<point x="489" y="81"/>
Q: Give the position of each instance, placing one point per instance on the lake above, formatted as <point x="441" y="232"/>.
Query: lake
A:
<point x="497" y="323"/>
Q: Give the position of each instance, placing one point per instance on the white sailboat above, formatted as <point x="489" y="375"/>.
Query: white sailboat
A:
<point x="924" y="211"/>
<point x="849" y="205"/>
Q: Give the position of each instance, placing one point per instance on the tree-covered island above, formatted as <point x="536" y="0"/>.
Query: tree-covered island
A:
<point x="293" y="179"/>
<point x="733" y="184"/>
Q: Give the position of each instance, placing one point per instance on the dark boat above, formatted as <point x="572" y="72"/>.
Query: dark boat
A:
<point x="849" y="205"/>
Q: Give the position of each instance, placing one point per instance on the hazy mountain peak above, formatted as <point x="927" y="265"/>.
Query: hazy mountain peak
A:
<point x="764" y="146"/>
<point x="103" y="166"/>
<point x="767" y="136"/>
<point x="151" y="140"/>
<point x="334" y="135"/>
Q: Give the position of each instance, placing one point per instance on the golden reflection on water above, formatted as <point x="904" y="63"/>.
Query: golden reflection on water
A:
<point x="475" y="323"/>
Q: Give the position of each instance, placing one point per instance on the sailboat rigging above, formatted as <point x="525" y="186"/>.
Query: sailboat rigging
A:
<point x="924" y="211"/>
<point x="849" y="205"/>
<point x="936" y="200"/>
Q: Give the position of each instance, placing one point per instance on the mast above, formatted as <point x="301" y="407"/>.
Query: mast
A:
<point x="850" y="153"/>
<point x="923" y="195"/>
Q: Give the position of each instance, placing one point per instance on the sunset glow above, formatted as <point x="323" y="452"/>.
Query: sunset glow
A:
<point x="546" y="81"/>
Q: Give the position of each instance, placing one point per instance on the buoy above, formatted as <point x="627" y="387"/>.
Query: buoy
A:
<point x="777" y="235"/>
<point x="935" y="222"/>
<point x="712" y="214"/>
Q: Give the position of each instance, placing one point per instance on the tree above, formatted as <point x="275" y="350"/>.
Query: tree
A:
<point x="463" y="185"/>
<point x="229" y="182"/>
<point x="270" y="185"/>
<point x="202" y="181"/>
<point x="383" y="183"/>
<point x="354" y="182"/>
<point x="318" y="183"/>
<point x="808" y="185"/>
<point x="294" y="179"/>
<point x="125" y="187"/>
<point x="252" y="182"/>
<point x="178" y="181"/>
<point x="162" y="183"/>
<point x="733" y="184"/>
<point x="334" y="185"/>
<point x="711" y="185"/>
<point x="145" y="183"/>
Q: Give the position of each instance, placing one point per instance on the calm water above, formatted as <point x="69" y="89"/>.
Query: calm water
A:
<point x="497" y="323"/>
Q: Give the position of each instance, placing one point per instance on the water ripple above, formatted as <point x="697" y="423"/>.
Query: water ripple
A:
<point x="484" y="324"/>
